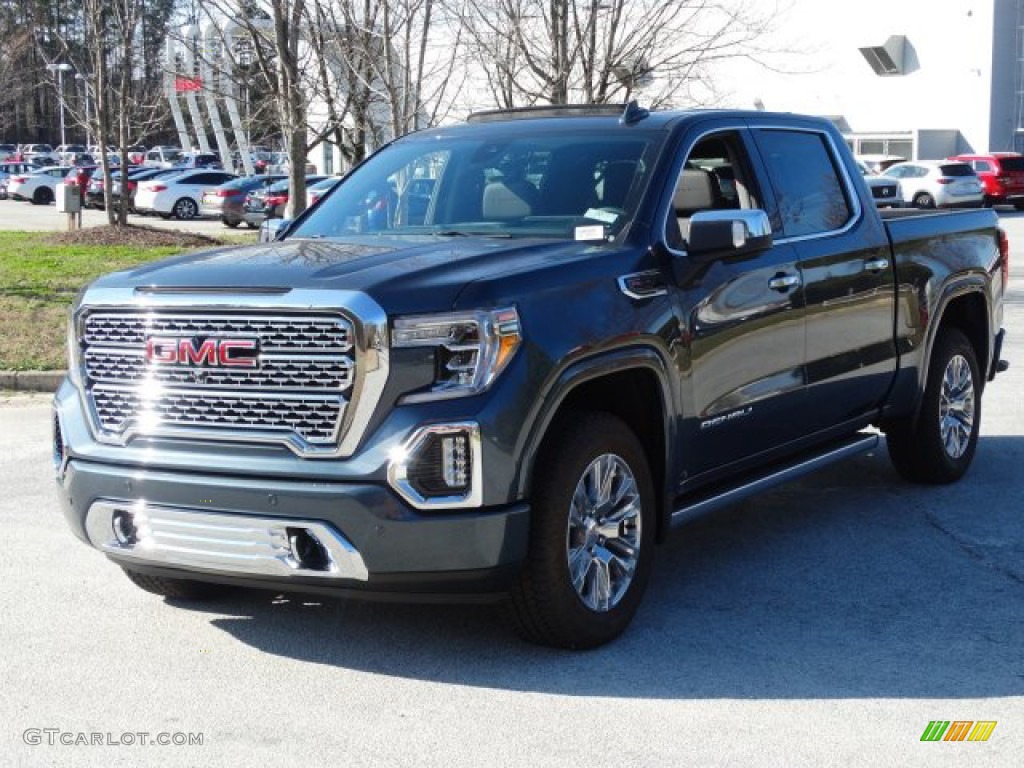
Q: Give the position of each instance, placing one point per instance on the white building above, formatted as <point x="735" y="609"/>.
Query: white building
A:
<point x="916" y="78"/>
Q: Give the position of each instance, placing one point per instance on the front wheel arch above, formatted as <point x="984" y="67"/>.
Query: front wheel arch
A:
<point x="616" y="384"/>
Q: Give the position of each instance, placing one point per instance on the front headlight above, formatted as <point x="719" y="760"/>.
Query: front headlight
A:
<point x="471" y="348"/>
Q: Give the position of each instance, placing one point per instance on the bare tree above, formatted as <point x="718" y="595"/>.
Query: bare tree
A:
<point x="602" y="51"/>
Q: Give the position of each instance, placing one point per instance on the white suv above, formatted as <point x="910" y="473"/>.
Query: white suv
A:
<point x="937" y="184"/>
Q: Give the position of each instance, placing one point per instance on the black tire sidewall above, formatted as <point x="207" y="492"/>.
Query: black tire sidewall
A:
<point x="584" y="438"/>
<point x="941" y="466"/>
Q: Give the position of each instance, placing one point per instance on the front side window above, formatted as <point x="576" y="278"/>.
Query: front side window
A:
<point x="555" y="185"/>
<point x="809" y="193"/>
<point x="714" y="177"/>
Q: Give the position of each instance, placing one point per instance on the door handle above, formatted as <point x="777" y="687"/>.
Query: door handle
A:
<point x="876" y="265"/>
<point x="783" y="283"/>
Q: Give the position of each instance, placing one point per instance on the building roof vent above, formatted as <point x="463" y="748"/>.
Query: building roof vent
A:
<point x="887" y="60"/>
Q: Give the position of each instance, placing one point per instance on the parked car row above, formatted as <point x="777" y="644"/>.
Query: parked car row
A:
<point x="959" y="181"/>
<point x="176" y="192"/>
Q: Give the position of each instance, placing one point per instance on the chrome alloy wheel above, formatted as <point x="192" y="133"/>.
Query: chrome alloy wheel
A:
<point x="603" y="537"/>
<point x="956" y="407"/>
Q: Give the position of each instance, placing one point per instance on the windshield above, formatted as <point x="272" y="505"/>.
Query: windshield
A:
<point x="553" y="185"/>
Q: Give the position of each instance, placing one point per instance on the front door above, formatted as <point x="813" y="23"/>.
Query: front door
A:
<point x="743" y="318"/>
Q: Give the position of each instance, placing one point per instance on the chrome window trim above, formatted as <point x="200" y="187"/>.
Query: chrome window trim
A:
<point x="369" y="331"/>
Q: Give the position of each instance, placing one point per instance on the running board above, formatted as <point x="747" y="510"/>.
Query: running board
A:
<point x="859" y="444"/>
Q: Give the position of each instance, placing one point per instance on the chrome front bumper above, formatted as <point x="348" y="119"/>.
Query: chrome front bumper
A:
<point x="211" y="541"/>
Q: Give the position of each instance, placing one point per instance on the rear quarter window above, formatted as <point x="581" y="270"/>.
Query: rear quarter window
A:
<point x="956" y="169"/>
<point x="1011" y="163"/>
<point x="809" y="192"/>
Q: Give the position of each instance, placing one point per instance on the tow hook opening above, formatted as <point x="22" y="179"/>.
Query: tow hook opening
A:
<point x="307" y="551"/>
<point x="125" y="532"/>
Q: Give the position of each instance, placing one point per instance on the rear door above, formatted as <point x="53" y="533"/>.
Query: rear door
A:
<point x="847" y="272"/>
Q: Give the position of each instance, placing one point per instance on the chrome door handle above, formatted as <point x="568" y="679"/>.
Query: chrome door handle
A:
<point x="783" y="282"/>
<point x="876" y="265"/>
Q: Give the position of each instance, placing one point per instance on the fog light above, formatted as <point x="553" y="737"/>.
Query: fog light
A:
<point x="455" y="460"/>
<point x="439" y="466"/>
<point x="125" y="531"/>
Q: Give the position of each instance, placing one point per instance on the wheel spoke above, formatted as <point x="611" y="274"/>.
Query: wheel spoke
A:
<point x="603" y="533"/>
<point x="956" y="407"/>
<point x="579" y="565"/>
<point x="601" y="592"/>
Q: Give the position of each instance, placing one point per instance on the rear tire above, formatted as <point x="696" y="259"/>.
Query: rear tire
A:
<point x="939" y="446"/>
<point x="591" y="536"/>
<point x="180" y="589"/>
<point x="42" y="196"/>
<point x="232" y="223"/>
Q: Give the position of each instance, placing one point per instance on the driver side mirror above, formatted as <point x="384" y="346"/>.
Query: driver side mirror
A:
<point x="721" y="234"/>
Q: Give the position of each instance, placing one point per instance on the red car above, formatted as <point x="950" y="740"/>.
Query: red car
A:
<point x="1001" y="175"/>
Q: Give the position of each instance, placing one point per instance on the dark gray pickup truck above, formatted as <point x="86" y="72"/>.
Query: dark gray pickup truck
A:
<point x="501" y="360"/>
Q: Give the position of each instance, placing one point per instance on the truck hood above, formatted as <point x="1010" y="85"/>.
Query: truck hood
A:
<point x="401" y="274"/>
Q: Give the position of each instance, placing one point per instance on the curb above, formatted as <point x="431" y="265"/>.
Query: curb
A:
<point x="31" y="381"/>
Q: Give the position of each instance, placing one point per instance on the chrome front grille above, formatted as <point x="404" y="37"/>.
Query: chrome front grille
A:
<point x="297" y="391"/>
<point x="120" y="365"/>
<point x="319" y="333"/>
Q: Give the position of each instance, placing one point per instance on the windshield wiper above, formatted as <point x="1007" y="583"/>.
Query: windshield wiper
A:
<point x="468" y="233"/>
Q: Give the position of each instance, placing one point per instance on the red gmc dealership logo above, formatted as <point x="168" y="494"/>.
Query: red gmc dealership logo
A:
<point x="202" y="353"/>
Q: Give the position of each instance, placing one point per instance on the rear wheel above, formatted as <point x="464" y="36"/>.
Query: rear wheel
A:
<point x="181" y="589"/>
<point x="939" y="446"/>
<point x="42" y="196"/>
<point x="591" y="536"/>
<point x="924" y="200"/>
<point x="229" y="222"/>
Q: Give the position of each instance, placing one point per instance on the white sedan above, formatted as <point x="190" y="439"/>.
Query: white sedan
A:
<point x="37" y="186"/>
<point x="179" y="196"/>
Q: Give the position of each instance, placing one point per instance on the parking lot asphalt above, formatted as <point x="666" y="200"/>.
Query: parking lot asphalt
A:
<point x="825" y="623"/>
<point x="26" y="217"/>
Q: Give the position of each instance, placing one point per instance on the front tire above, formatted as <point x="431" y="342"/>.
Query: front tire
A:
<point x="185" y="209"/>
<point x="939" y="446"/>
<point x="591" y="536"/>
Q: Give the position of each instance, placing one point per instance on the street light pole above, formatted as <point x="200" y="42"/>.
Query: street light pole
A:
<point x="60" y="69"/>
<point x="88" y="126"/>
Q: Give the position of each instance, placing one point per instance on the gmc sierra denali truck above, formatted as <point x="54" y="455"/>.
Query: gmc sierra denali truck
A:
<point x="503" y="359"/>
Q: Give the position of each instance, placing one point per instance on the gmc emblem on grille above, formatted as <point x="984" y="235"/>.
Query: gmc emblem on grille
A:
<point x="202" y="353"/>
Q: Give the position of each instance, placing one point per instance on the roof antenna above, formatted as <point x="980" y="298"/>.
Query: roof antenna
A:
<point x="633" y="113"/>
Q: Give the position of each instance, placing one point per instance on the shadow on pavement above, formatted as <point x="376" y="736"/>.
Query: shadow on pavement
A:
<point x="848" y="584"/>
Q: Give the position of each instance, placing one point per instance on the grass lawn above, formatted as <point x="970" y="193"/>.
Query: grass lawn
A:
<point x="38" y="281"/>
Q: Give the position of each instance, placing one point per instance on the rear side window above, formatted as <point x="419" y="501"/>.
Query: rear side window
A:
<point x="1011" y="163"/>
<point x="809" y="193"/>
<point x="956" y="169"/>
